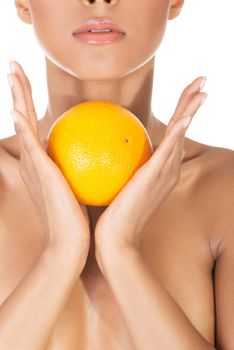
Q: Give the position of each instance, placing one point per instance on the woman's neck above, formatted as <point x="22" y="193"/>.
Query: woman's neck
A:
<point x="133" y="92"/>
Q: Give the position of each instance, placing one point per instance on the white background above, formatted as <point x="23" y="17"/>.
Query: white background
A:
<point x="198" y="42"/>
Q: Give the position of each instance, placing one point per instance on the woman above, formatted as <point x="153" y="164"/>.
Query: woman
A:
<point x="153" y="270"/>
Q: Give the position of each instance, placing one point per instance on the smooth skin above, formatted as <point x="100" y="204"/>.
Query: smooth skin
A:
<point x="141" y="273"/>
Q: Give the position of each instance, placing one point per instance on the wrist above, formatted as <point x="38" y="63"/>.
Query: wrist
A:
<point x="74" y="256"/>
<point x="113" y="248"/>
<point x="111" y="253"/>
<point x="65" y="242"/>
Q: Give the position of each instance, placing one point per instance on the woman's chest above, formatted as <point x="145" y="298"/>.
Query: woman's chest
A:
<point x="184" y="266"/>
<point x="174" y="244"/>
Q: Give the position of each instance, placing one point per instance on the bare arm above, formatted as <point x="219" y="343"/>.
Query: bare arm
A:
<point x="28" y="315"/>
<point x="152" y="316"/>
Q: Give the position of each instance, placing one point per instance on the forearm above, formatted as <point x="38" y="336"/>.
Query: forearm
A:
<point x="153" y="318"/>
<point x="28" y="315"/>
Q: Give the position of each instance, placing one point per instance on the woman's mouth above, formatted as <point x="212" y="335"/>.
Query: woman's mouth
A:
<point x="99" y="37"/>
<point x="99" y="31"/>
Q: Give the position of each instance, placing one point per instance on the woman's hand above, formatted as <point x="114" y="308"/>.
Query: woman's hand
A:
<point x="64" y="220"/>
<point x="124" y="220"/>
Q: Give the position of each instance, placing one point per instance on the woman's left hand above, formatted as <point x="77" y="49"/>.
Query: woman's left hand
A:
<point x="123" y="222"/>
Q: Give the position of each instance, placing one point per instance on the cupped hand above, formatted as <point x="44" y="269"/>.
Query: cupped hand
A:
<point x="124" y="220"/>
<point x="64" y="220"/>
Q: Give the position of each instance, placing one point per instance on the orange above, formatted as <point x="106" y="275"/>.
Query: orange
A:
<point x="98" y="146"/>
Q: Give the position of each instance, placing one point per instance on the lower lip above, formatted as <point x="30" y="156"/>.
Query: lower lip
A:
<point x="99" y="38"/>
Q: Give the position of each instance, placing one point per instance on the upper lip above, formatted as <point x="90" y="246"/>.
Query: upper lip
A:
<point x="98" y="23"/>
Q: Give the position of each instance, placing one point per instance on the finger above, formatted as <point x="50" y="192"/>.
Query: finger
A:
<point x="195" y="102"/>
<point x="27" y="91"/>
<point x="192" y="89"/>
<point x="27" y="138"/>
<point x="17" y="94"/>
<point x="164" y="151"/>
<point x="28" y="95"/>
<point x="176" y="154"/>
<point x="156" y="168"/>
<point x="173" y="164"/>
<point x="175" y="148"/>
<point x="191" y="109"/>
<point x="172" y="168"/>
<point x="26" y="167"/>
<point x="32" y="146"/>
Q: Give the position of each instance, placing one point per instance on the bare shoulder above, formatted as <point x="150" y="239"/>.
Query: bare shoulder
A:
<point x="209" y="166"/>
<point x="9" y="156"/>
<point x="217" y="175"/>
<point x="219" y="167"/>
<point x="214" y="193"/>
<point x="9" y="146"/>
<point x="219" y="179"/>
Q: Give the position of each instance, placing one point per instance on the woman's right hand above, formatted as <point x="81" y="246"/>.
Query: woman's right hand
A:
<point x="64" y="220"/>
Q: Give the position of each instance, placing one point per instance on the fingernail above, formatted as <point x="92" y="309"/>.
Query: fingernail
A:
<point x="12" y="67"/>
<point x="187" y="121"/>
<point x="202" y="83"/>
<point x="203" y="99"/>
